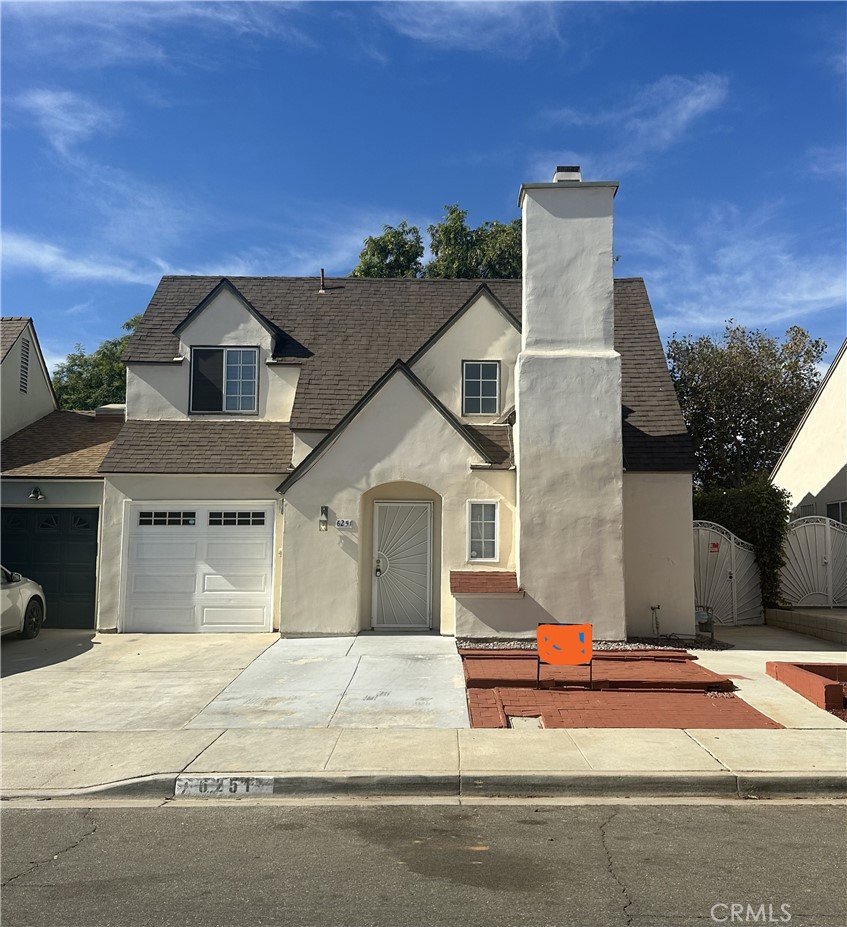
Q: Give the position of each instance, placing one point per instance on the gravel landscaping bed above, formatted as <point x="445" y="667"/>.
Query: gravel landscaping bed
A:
<point x="665" y="642"/>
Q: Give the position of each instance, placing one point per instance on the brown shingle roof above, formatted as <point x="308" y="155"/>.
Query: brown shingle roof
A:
<point x="200" y="447"/>
<point x="654" y="433"/>
<point x="62" y="444"/>
<point x="11" y="328"/>
<point x="483" y="582"/>
<point x="496" y="440"/>
<point x="355" y="331"/>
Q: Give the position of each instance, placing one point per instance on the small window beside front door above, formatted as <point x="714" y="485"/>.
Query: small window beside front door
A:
<point x="483" y="538"/>
<point x="480" y="387"/>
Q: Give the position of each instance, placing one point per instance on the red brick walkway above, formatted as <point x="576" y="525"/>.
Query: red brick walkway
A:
<point x="613" y="708"/>
<point x="631" y="690"/>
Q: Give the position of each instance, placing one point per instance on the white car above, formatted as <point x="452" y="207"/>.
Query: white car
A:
<point x="23" y="604"/>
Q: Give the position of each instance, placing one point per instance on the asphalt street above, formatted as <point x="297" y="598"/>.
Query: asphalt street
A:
<point x="424" y="865"/>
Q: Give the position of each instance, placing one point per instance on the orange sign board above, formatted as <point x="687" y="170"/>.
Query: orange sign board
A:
<point x="564" y="644"/>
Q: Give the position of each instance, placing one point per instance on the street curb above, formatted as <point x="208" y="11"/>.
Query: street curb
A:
<point x="157" y="786"/>
<point x="612" y="785"/>
<point x="792" y="785"/>
<point x="600" y="784"/>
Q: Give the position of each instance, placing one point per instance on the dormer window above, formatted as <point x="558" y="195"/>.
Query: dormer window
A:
<point x="224" y="380"/>
<point x="480" y="387"/>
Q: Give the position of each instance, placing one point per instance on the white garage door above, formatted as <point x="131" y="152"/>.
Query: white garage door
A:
<point x="200" y="567"/>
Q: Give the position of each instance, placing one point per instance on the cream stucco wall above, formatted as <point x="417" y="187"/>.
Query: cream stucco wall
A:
<point x="482" y="333"/>
<point x="304" y="443"/>
<point x="119" y="489"/>
<point x="658" y="552"/>
<point x="568" y="447"/>
<point x="814" y="466"/>
<point x="161" y="391"/>
<point x="20" y="409"/>
<point x="398" y="437"/>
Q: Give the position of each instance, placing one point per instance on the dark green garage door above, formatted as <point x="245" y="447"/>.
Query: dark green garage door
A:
<point x="57" y="548"/>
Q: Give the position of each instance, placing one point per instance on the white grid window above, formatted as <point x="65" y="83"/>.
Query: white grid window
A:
<point x="166" y="519"/>
<point x="837" y="511"/>
<point x="482" y="531"/>
<point x="236" y="519"/>
<point x="805" y="510"/>
<point x="240" y="380"/>
<point x="480" y="387"/>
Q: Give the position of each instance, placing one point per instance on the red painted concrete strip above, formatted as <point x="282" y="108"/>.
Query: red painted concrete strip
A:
<point x="490" y="672"/>
<point x="820" y="683"/>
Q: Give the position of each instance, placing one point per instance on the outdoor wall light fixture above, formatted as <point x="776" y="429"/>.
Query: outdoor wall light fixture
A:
<point x="324" y="519"/>
<point x="36" y="495"/>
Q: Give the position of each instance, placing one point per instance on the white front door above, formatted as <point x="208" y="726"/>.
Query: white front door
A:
<point x="402" y="565"/>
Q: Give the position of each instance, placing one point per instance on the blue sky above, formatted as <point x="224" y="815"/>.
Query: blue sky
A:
<point x="271" y="138"/>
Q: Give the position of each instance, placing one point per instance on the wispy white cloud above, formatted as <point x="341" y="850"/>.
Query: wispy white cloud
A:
<point x="66" y="118"/>
<point x="655" y="119"/>
<point x="734" y="265"/>
<point x="827" y="161"/>
<point x="97" y="34"/>
<point x="24" y="252"/>
<point x="296" y="248"/>
<point x="507" y="28"/>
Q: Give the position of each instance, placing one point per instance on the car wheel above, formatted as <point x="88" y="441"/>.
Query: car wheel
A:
<point x="33" y="617"/>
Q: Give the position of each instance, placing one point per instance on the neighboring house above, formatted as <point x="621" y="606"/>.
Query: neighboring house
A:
<point x="813" y="466"/>
<point x="25" y="387"/>
<point x="50" y="487"/>
<point x="326" y="457"/>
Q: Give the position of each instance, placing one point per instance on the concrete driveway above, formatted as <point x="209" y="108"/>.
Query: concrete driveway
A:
<point x="79" y="681"/>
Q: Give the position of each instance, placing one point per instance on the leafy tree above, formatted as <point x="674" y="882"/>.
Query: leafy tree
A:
<point x="85" y="381"/>
<point x="395" y="253"/>
<point x="493" y="250"/>
<point x="757" y="512"/>
<point x="742" y="396"/>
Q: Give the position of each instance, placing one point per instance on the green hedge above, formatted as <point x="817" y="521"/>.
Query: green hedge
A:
<point x="756" y="512"/>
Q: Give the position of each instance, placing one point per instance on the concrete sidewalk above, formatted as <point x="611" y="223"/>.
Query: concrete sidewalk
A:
<point x="163" y="715"/>
<point x="327" y="761"/>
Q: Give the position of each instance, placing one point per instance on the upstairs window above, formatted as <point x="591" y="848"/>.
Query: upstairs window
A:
<point x="224" y="379"/>
<point x="480" y="387"/>
<point x="24" y="365"/>
<point x="837" y="511"/>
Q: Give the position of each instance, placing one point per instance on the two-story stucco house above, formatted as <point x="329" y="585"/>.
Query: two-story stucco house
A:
<point x="329" y="456"/>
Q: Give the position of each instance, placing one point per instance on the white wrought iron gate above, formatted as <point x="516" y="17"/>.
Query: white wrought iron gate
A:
<point x="726" y="578"/>
<point x="815" y="571"/>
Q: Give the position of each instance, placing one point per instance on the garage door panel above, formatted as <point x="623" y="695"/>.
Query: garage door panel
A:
<point x="234" y="617"/>
<point x="164" y="617"/>
<point x="236" y="549"/>
<point x="219" y="571"/>
<point x="235" y="582"/>
<point x="159" y="549"/>
<point x="161" y="582"/>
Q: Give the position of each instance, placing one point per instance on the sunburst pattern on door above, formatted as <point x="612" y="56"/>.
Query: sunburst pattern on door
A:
<point x="402" y="564"/>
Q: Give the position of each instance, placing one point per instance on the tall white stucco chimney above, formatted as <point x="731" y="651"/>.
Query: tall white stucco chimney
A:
<point x="569" y="455"/>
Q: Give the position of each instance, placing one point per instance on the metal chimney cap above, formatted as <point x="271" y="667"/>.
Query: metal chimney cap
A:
<point x="567" y="172"/>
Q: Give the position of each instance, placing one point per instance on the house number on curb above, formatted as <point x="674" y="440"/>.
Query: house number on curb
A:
<point x="343" y="522"/>
<point x="223" y="786"/>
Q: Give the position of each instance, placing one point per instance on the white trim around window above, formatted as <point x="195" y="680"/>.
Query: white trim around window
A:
<point x="480" y="387"/>
<point x="483" y="530"/>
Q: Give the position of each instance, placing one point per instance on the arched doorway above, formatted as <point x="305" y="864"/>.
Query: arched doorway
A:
<point x="400" y="567"/>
